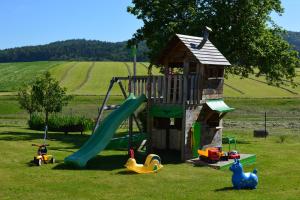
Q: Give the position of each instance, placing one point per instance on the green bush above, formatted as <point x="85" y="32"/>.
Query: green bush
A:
<point x="282" y="138"/>
<point x="36" y="122"/>
<point x="61" y="123"/>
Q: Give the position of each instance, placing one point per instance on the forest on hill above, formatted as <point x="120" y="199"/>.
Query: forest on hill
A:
<point x="76" y="49"/>
<point x="91" y="50"/>
<point x="294" y="39"/>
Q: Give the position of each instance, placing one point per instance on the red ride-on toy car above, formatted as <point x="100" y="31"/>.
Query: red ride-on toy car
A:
<point x="233" y="154"/>
<point x="212" y="155"/>
<point x="42" y="156"/>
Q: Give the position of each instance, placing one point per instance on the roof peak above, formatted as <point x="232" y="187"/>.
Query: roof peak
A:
<point x="188" y="36"/>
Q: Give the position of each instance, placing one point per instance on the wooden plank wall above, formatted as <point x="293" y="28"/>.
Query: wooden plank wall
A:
<point x="169" y="89"/>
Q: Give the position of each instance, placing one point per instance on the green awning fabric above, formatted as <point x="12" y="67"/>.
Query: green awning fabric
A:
<point x="218" y="105"/>
<point x="167" y="111"/>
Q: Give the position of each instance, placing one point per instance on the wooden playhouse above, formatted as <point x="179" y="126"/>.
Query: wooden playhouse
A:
<point x="185" y="106"/>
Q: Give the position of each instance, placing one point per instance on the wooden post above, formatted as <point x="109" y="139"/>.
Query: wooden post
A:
<point x="174" y="89"/>
<point x="134" y="92"/>
<point x="134" y="69"/>
<point x="159" y="88"/>
<point x="184" y="99"/>
<point x="154" y="88"/>
<point x="112" y="81"/>
<point x="192" y="86"/>
<point x="265" y="125"/>
<point x="169" y="88"/>
<point x="165" y="84"/>
<point x="180" y="89"/>
<point x="165" y="89"/>
<point x="149" y="118"/>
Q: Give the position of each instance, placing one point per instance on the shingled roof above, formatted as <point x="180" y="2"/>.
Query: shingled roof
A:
<point x="207" y="54"/>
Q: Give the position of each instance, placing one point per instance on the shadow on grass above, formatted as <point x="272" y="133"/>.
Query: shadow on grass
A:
<point x="31" y="164"/>
<point x="224" y="189"/>
<point x="168" y="156"/>
<point x="230" y="189"/>
<point x="126" y="172"/>
<point x="106" y="163"/>
<point x="76" y="140"/>
<point x="113" y="162"/>
<point x="11" y="126"/>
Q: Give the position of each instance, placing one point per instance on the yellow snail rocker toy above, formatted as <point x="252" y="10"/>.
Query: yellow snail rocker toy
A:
<point x="151" y="165"/>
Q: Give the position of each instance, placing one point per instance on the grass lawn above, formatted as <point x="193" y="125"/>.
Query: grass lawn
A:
<point x="283" y="115"/>
<point x="106" y="178"/>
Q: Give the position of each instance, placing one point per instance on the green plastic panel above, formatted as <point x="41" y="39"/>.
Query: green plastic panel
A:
<point x="196" y="138"/>
<point x="246" y="161"/>
<point x="218" y="105"/>
<point x="166" y="111"/>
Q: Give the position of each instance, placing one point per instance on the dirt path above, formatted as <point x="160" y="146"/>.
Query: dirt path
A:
<point x="128" y="69"/>
<point x="87" y="77"/>
<point x="67" y="72"/>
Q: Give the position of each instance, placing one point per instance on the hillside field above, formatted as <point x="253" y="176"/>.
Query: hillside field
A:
<point x="92" y="78"/>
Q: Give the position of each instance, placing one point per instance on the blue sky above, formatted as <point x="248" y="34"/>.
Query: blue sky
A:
<point x="32" y="22"/>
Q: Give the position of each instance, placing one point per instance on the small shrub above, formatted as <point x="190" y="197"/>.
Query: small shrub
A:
<point x="61" y="123"/>
<point x="36" y="122"/>
<point x="282" y="138"/>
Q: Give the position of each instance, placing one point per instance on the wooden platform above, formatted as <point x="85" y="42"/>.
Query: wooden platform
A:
<point x="246" y="159"/>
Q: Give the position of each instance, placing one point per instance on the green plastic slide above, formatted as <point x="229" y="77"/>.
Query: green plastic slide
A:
<point x="104" y="133"/>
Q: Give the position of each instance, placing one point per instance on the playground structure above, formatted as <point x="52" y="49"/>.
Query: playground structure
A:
<point x="185" y="106"/>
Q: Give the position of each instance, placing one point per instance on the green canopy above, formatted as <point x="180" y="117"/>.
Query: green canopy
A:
<point x="218" y="105"/>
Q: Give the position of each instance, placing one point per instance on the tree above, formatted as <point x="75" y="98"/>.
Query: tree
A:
<point x="49" y="96"/>
<point x="242" y="30"/>
<point x="26" y="100"/>
<point x="78" y="49"/>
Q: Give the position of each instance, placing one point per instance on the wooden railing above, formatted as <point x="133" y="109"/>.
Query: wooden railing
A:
<point x="173" y="89"/>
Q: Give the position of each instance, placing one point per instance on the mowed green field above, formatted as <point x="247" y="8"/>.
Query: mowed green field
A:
<point x="256" y="87"/>
<point x="92" y="78"/>
<point x="80" y="78"/>
<point x="14" y="74"/>
<point x="106" y="177"/>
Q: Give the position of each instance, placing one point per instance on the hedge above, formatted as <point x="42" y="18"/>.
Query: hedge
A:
<point x="61" y="123"/>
